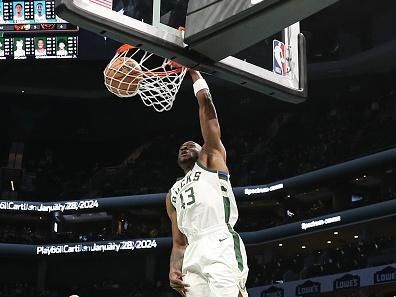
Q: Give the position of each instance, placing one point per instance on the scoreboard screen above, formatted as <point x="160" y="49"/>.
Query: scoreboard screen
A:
<point x="32" y="30"/>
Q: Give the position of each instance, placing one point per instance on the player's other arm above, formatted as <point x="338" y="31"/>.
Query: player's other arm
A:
<point x="214" y="154"/>
<point x="177" y="255"/>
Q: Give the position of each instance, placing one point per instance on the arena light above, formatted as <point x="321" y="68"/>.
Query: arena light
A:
<point x="303" y="247"/>
<point x="356" y="236"/>
<point x="281" y="244"/>
<point x="356" y="198"/>
<point x="289" y="213"/>
<point x="335" y="233"/>
<point x="329" y="241"/>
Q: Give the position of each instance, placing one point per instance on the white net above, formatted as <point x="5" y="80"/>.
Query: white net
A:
<point x="131" y="73"/>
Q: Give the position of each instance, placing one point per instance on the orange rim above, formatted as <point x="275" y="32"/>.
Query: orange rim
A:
<point x="125" y="47"/>
<point x="163" y="73"/>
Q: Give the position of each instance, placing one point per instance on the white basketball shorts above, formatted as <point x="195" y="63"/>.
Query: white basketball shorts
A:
<point x="215" y="264"/>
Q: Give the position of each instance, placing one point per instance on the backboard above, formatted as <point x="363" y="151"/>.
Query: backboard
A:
<point x="225" y="38"/>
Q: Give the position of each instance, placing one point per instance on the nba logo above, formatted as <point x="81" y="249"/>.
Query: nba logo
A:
<point x="279" y="57"/>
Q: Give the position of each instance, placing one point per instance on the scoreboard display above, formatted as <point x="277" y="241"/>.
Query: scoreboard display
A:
<point x="32" y="30"/>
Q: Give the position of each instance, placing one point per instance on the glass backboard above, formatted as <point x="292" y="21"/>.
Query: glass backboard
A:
<point x="220" y="46"/>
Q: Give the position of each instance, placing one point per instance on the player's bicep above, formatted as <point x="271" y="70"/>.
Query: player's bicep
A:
<point x="218" y="151"/>
<point x="178" y="238"/>
<point x="214" y="158"/>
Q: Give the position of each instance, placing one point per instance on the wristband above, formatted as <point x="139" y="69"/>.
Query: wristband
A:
<point x="199" y="85"/>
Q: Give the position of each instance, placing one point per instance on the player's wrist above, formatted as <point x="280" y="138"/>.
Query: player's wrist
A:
<point x="199" y="85"/>
<point x="194" y="73"/>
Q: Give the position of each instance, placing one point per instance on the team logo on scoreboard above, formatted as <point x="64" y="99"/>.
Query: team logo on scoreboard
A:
<point x="279" y="58"/>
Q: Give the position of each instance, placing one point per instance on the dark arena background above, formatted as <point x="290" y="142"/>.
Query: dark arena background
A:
<point x="84" y="174"/>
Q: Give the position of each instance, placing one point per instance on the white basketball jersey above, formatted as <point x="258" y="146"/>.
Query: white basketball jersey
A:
<point x="203" y="199"/>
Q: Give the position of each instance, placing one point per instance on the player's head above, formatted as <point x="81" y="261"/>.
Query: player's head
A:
<point x="40" y="43"/>
<point x="61" y="45"/>
<point x="18" y="8"/>
<point x="39" y="7"/>
<point x="188" y="154"/>
<point x="19" y="44"/>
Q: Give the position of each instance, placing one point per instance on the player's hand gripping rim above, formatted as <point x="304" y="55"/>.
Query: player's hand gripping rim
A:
<point x="176" y="282"/>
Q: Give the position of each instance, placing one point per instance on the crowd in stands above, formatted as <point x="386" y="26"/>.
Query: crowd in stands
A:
<point x="263" y="147"/>
<point x="23" y="232"/>
<point x="284" y="144"/>
<point x="281" y="268"/>
<point x="260" y="149"/>
<point x="104" y="289"/>
<point x="312" y="263"/>
<point x="152" y="221"/>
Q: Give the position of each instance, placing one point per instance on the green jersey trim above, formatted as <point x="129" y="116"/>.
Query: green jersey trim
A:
<point x="235" y="236"/>
<point x="226" y="202"/>
<point x="221" y="174"/>
<point x="237" y="247"/>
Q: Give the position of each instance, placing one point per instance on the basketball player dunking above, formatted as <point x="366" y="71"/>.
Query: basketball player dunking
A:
<point x="208" y="257"/>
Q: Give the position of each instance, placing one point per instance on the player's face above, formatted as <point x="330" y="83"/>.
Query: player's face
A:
<point x="18" y="9"/>
<point x="61" y="46"/>
<point x="40" y="44"/>
<point x="19" y="44"/>
<point x="188" y="153"/>
<point x="39" y="8"/>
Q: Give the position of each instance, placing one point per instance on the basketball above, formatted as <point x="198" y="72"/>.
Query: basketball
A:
<point x="123" y="76"/>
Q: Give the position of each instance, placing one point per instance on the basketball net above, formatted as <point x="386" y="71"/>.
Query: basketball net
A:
<point x="157" y="86"/>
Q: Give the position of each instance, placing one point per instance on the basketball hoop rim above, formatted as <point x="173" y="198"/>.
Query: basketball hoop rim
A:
<point x="126" y="47"/>
<point x="163" y="73"/>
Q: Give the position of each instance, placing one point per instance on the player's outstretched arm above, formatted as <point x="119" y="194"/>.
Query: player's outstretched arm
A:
<point x="213" y="149"/>
<point x="177" y="255"/>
